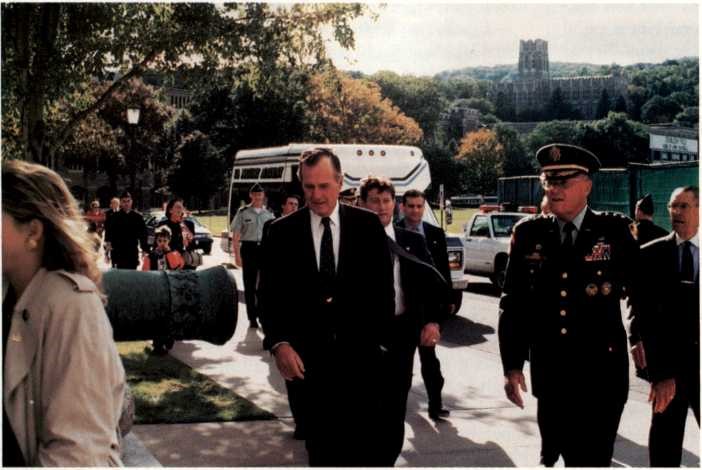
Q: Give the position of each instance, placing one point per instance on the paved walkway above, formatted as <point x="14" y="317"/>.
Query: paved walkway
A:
<point x="484" y="430"/>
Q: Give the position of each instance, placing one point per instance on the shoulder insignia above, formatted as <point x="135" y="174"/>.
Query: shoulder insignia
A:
<point x="79" y="282"/>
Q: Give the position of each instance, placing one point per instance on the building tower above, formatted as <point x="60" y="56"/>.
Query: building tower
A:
<point x="533" y="59"/>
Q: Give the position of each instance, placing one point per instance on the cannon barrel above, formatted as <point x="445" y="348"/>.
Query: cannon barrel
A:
<point x="181" y="305"/>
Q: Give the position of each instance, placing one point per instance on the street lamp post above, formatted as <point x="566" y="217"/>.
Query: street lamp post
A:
<point x="133" y="114"/>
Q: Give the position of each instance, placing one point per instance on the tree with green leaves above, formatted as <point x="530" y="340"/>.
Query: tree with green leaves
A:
<point x="516" y="160"/>
<point x="418" y="97"/>
<point x="616" y="140"/>
<point x="558" y="107"/>
<point x="49" y="49"/>
<point x="620" y="105"/>
<point x="603" y="105"/>
<point x="198" y="172"/>
<point x="660" y="110"/>
<point x="688" y="117"/>
<point x="566" y="132"/>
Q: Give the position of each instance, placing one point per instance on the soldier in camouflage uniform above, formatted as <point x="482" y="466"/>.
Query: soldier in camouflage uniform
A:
<point x="560" y="310"/>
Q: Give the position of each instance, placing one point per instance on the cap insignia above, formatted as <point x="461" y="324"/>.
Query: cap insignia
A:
<point x="555" y="154"/>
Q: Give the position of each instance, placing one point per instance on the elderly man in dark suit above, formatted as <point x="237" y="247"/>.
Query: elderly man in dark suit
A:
<point x="667" y="309"/>
<point x="560" y="309"/>
<point x="419" y="290"/>
<point x="413" y="203"/>
<point x="328" y="289"/>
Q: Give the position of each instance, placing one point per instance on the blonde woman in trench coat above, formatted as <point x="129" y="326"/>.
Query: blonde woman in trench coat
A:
<point x="63" y="382"/>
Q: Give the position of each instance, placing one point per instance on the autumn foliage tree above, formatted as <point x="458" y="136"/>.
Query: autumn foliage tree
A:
<point x="344" y="109"/>
<point x="483" y="157"/>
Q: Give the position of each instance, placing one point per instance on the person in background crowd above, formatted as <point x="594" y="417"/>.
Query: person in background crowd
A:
<point x="560" y="307"/>
<point x="127" y="232"/>
<point x="328" y="288"/>
<point x="349" y="196"/>
<point x="667" y="308"/>
<point x="182" y="230"/>
<point x="63" y="381"/>
<point x="95" y="218"/>
<point x="161" y="257"/>
<point x="413" y="203"/>
<point x="419" y="291"/>
<point x="112" y="210"/>
<point x="247" y="233"/>
<point x="644" y="228"/>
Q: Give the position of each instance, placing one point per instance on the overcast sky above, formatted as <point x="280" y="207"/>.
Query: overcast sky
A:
<point x="424" y="38"/>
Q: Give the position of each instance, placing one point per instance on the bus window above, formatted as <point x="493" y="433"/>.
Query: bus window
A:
<point x="237" y="174"/>
<point x="270" y="173"/>
<point x="250" y="173"/>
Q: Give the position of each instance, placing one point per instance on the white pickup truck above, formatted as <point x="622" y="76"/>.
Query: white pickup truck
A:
<point x="486" y="244"/>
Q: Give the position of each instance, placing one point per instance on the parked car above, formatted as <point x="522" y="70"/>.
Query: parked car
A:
<point x="486" y="244"/>
<point x="202" y="238"/>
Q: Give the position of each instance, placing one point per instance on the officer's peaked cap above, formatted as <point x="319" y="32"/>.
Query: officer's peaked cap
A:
<point x="566" y="158"/>
<point x="256" y="188"/>
<point x="645" y="204"/>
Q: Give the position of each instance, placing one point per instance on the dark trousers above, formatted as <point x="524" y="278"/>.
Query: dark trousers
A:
<point x="399" y="362"/>
<point x="581" y="430"/>
<point x="665" y="439"/>
<point x="431" y="374"/>
<point x="125" y="259"/>
<point x="296" y="400"/>
<point x="343" y="412"/>
<point x="250" y="256"/>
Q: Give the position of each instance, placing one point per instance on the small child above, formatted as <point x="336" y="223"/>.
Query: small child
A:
<point x="162" y="258"/>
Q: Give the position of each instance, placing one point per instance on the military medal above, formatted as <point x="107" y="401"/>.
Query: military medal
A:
<point x="606" y="288"/>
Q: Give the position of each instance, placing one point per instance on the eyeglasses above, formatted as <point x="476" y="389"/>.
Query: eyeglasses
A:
<point x="683" y="206"/>
<point x="563" y="183"/>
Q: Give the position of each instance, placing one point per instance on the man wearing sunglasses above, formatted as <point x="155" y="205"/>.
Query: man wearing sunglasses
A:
<point x="560" y="310"/>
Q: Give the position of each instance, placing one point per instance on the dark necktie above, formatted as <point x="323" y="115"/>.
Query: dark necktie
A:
<point x="568" y="239"/>
<point x="326" y="252"/>
<point x="687" y="267"/>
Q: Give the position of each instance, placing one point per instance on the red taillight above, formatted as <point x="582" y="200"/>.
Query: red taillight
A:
<point x="527" y="209"/>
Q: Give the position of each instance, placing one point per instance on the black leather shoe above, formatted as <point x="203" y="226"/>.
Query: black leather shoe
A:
<point x="439" y="414"/>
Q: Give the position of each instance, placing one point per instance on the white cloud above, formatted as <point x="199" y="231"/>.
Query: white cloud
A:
<point x="428" y="38"/>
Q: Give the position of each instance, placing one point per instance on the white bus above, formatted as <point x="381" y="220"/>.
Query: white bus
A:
<point x="275" y="168"/>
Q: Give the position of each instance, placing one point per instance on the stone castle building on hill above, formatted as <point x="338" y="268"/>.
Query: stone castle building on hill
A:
<point x="534" y="86"/>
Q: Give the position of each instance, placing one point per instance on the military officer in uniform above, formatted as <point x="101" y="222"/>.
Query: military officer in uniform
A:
<point x="560" y="310"/>
<point x="247" y="232"/>
<point x="644" y="228"/>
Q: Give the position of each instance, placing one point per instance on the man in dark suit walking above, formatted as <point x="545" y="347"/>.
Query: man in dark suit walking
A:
<point x="413" y="203"/>
<point x="667" y="310"/>
<point x="419" y="290"/>
<point x="328" y="306"/>
<point x="644" y="231"/>
<point x="560" y="309"/>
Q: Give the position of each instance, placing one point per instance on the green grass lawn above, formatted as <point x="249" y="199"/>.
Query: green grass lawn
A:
<point x="167" y="391"/>
<point x="215" y="223"/>
<point x="460" y="217"/>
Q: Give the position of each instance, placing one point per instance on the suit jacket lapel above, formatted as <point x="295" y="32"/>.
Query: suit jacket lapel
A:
<point x="343" y="245"/>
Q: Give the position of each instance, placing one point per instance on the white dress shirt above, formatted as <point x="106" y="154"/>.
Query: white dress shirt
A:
<point x="318" y="231"/>
<point x="399" y="295"/>
<point x="577" y="221"/>
<point x="694" y="247"/>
